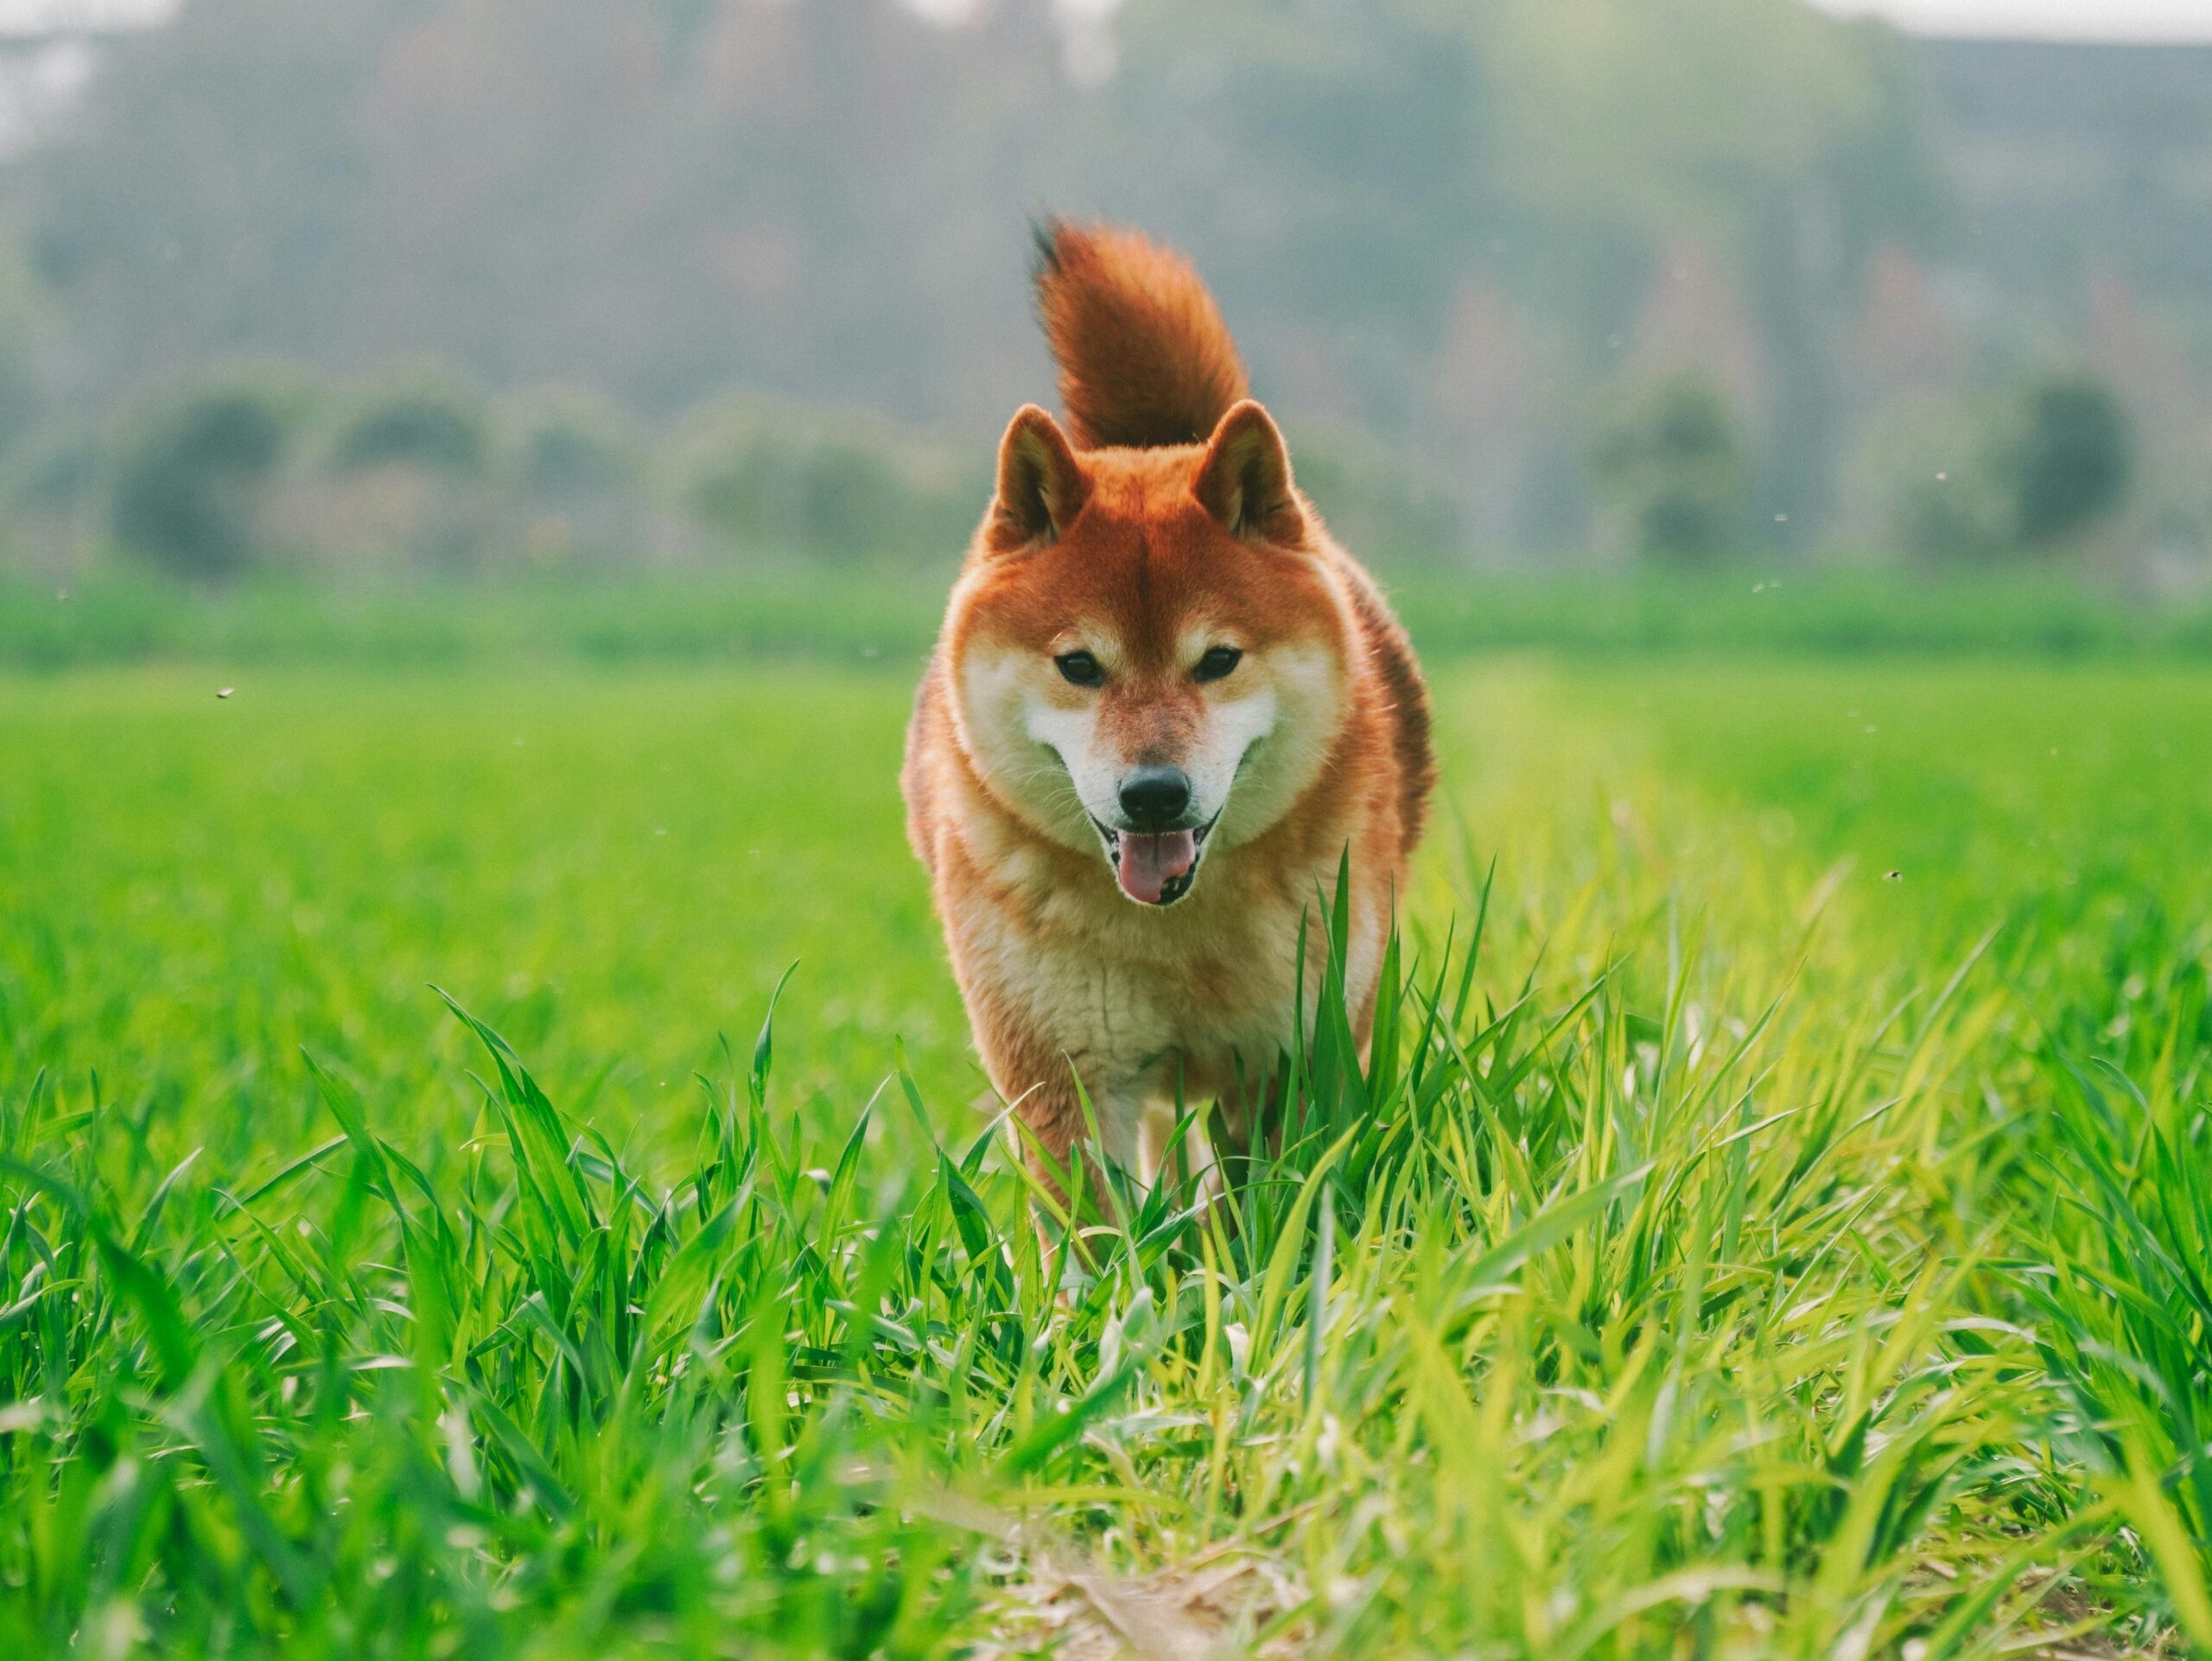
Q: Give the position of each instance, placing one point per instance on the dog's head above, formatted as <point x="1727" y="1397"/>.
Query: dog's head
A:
<point x="1149" y="654"/>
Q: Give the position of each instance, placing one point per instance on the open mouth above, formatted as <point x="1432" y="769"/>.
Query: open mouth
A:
<point x="1155" y="868"/>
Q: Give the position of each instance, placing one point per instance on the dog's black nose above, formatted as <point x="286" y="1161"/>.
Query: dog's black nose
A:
<point x="1154" y="797"/>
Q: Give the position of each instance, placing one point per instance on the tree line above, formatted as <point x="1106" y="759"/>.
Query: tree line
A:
<point x="1540" y="273"/>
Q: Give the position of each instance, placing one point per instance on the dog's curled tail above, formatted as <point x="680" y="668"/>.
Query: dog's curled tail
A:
<point x="1145" y="358"/>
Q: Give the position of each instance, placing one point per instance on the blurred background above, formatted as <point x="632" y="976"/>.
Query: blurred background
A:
<point x="377" y="297"/>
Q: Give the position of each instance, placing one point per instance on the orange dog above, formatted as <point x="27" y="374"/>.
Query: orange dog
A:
<point x="1164" y="704"/>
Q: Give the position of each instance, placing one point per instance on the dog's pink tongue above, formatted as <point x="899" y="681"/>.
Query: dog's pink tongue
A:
<point x="1150" y="863"/>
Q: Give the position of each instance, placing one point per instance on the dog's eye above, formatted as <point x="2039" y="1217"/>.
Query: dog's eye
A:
<point x="1217" y="662"/>
<point x="1079" y="668"/>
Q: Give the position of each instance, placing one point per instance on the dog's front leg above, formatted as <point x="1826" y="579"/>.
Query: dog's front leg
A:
<point x="1056" y="1142"/>
<point x="1048" y="1095"/>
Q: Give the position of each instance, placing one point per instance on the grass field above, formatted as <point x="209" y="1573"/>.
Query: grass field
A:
<point x="1774" y="1222"/>
<point x="862" y="613"/>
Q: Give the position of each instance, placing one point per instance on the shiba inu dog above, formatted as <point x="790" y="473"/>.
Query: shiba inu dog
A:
<point x="1164" y="705"/>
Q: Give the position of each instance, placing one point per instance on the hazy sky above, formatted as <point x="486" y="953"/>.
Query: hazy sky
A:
<point x="2096" y="20"/>
<point x="2151" y="20"/>
<point x="37" y="17"/>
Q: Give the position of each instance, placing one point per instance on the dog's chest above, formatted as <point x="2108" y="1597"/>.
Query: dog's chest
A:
<point x="1124" y="1010"/>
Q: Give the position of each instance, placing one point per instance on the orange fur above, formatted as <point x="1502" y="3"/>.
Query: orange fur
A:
<point x="1145" y="358"/>
<point x="1316" y="743"/>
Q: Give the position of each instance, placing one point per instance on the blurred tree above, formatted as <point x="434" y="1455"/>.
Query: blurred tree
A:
<point x="573" y="447"/>
<point x="55" y="487"/>
<point x="192" y="470"/>
<point x="820" y="202"/>
<point x="2023" y="469"/>
<point x="1957" y="516"/>
<point x="578" y="467"/>
<point x="2070" y="465"/>
<point x="407" y="473"/>
<point x="424" y="417"/>
<point x="1669" y="470"/>
<point x="1374" y="499"/>
<point x="765" y="481"/>
<point x="1790" y="141"/>
<point x="1923" y="479"/>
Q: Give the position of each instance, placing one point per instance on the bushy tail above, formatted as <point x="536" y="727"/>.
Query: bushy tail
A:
<point x="1145" y="358"/>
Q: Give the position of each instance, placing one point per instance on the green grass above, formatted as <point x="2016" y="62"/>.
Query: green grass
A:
<point x="1731" y="1250"/>
<point x="888" y="611"/>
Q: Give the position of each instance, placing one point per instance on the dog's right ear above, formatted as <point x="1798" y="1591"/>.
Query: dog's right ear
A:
<point x="1244" y="479"/>
<point x="1041" y="486"/>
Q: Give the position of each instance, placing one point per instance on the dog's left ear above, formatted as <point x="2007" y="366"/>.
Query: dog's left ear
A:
<point x="1041" y="485"/>
<point x="1244" y="479"/>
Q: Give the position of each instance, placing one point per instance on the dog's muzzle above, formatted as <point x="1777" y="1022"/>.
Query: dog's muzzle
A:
<point x="1155" y="867"/>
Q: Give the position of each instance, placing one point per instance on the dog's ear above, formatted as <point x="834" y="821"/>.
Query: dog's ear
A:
<point x="1041" y="486"/>
<point x="1244" y="479"/>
